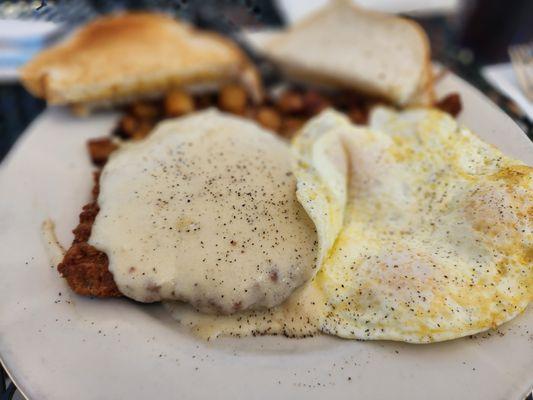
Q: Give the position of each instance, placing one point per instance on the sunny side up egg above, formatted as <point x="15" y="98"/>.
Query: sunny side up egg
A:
<point x="425" y="233"/>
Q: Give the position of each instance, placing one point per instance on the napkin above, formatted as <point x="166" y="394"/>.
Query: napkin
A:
<point x="20" y="40"/>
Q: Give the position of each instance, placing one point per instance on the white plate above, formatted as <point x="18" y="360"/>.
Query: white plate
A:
<point x="57" y="345"/>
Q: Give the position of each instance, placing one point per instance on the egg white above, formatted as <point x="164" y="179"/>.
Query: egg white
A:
<point x="437" y="237"/>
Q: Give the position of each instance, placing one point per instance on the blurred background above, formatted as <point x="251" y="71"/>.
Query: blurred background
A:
<point x="470" y="37"/>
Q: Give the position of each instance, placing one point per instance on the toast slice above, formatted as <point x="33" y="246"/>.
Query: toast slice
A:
<point x="120" y="58"/>
<point x="345" y="46"/>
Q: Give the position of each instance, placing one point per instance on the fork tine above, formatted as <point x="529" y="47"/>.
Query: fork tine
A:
<point x="524" y="53"/>
<point x="522" y="61"/>
<point x="516" y="60"/>
<point x="527" y="56"/>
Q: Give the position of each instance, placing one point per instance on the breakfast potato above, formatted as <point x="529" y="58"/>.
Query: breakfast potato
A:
<point x="100" y="149"/>
<point x="143" y="129"/>
<point x="357" y="115"/>
<point x="233" y="99"/>
<point x="269" y="118"/>
<point x="178" y="103"/>
<point x="450" y="104"/>
<point x="127" y="125"/>
<point x="314" y="102"/>
<point x="290" y="102"/>
<point x="144" y="110"/>
<point x="291" y="125"/>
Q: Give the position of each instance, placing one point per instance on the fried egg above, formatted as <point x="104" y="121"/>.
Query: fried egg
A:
<point x="425" y="233"/>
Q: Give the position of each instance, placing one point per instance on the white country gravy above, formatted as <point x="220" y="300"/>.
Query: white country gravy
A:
<point x="205" y="211"/>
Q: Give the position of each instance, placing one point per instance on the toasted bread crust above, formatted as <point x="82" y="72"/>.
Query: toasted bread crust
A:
<point x="129" y="55"/>
<point x="425" y="94"/>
